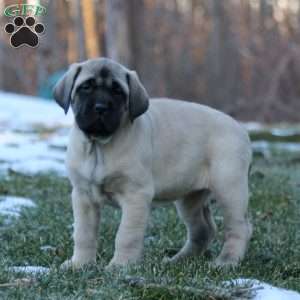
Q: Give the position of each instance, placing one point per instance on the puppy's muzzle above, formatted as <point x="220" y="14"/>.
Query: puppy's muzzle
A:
<point x="101" y="108"/>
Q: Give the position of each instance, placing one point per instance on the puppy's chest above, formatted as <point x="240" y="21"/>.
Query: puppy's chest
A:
<point x="110" y="189"/>
<point x="104" y="177"/>
<point x="90" y="165"/>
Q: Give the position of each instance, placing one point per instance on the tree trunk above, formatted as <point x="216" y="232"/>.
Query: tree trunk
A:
<point x="118" y="31"/>
<point x="88" y="12"/>
<point x="80" y="31"/>
<point x="217" y="36"/>
<point x="136" y="17"/>
<point x="223" y="60"/>
<point x="71" y="35"/>
<point x="47" y="49"/>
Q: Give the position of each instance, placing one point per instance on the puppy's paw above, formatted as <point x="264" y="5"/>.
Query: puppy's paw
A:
<point x="180" y="256"/>
<point x="118" y="263"/>
<point x="226" y="262"/>
<point x="115" y="264"/>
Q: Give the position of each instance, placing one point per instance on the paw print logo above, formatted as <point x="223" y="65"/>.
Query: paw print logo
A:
<point x="24" y="32"/>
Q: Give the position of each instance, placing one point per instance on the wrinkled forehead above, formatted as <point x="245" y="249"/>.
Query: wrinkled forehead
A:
<point x="104" y="71"/>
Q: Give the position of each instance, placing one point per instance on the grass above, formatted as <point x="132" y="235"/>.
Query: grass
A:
<point x="273" y="255"/>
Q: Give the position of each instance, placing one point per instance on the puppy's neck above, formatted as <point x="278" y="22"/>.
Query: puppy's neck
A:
<point x="100" y="140"/>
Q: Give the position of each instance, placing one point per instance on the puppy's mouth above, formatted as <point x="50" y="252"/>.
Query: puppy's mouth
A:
<point x="97" y="129"/>
<point x="103" y="125"/>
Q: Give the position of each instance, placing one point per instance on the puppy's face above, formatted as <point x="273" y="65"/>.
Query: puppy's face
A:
<point x="102" y="94"/>
<point x="100" y="103"/>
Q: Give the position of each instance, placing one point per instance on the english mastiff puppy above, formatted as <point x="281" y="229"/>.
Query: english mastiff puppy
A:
<point x="131" y="152"/>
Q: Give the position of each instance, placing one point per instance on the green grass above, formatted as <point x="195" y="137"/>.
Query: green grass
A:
<point x="273" y="255"/>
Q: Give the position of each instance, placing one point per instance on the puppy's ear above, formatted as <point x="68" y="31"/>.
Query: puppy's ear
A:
<point x="62" y="91"/>
<point x="138" y="96"/>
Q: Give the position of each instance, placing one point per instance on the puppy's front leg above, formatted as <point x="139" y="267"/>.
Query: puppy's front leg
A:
<point x="86" y="223"/>
<point x="130" y="237"/>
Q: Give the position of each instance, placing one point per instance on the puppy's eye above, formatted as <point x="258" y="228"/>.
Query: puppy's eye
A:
<point x="116" y="88"/>
<point x="87" y="86"/>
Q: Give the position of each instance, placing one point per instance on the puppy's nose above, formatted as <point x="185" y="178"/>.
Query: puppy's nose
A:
<point x="101" y="108"/>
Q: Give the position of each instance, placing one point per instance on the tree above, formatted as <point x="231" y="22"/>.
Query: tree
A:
<point x="223" y="60"/>
<point x="89" y="22"/>
<point x="118" y="31"/>
<point x="48" y="45"/>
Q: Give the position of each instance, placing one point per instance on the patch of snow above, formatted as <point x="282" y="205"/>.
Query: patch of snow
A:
<point x="14" y="138"/>
<point x="59" y="141"/>
<point x="253" y="126"/>
<point x="32" y="158"/>
<point x="32" y="270"/>
<point x="33" y="135"/>
<point x="285" y="131"/>
<point x="264" y="291"/>
<point x="27" y="151"/>
<point x="264" y="146"/>
<point x="25" y="113"/>
<point x="39" y="166"/>
<point x="12" y="206"/>
<point x="47" y="248"/>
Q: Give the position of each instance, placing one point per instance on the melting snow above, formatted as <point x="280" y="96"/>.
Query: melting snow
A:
<point x="32" y="270"/>
<point x="47" y="248"/>
<point x="35" y="166"/>
<point x="253" y="126"/>
<point x="33" y="135"/>
<point x="25" y="113"/>
<point x="267" y="148"/>
<point x="266" y="291"/>
<point x="11" y="206"/>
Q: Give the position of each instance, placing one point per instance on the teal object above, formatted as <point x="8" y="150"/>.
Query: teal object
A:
<point x="45" y="89"/>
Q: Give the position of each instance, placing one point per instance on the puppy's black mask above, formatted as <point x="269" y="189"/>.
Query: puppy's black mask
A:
<point x="99" y="104"/>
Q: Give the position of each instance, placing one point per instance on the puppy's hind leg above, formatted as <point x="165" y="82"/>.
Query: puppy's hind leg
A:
<point x="232" y="196"/>
<point x="195" y="212"/>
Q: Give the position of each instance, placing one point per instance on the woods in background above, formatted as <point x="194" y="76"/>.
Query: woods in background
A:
<point x="240" y="56"/>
